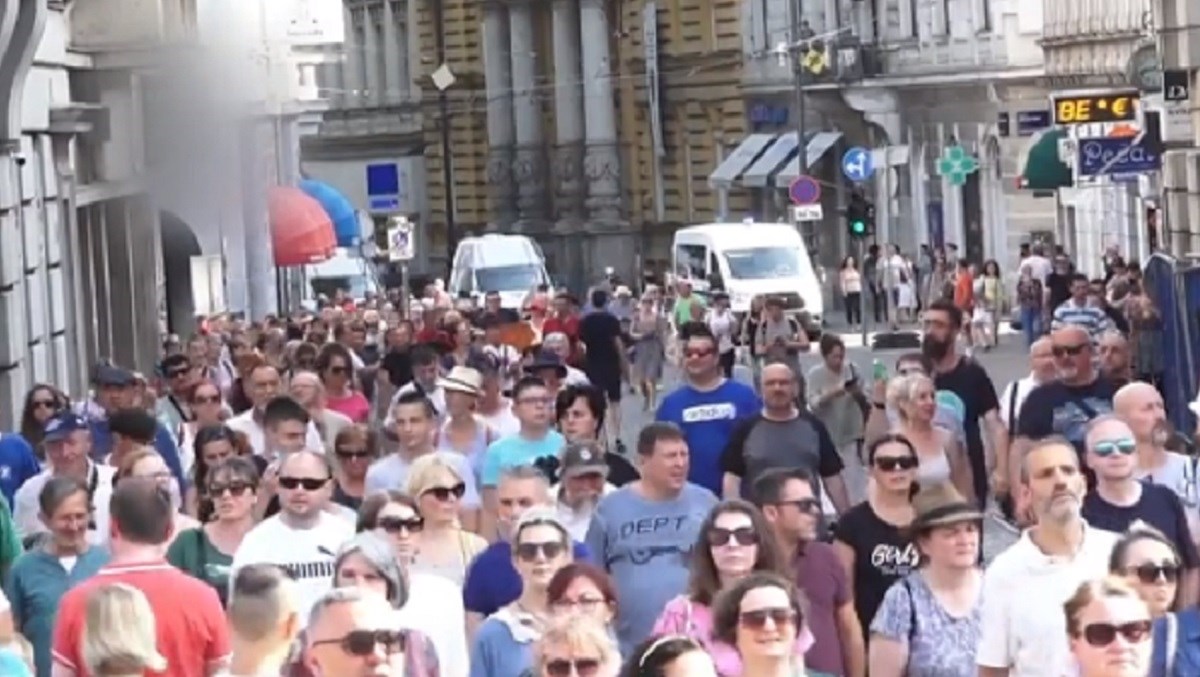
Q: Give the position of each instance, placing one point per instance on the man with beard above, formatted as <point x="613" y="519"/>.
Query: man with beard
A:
<point x="967" y="379"/>
<point x="1140" y="405"/>
<point x="583" y="479"/>
<point x="1025" y="634"/>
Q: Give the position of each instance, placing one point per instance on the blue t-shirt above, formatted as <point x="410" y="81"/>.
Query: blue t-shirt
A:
<point x="708" y="420"/>
<point x="17" y="464"/>
<point x="514" y="450"/>
<point x="492" y="582"/>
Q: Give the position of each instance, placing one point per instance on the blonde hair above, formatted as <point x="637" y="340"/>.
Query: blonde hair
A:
<point x="1090" y="591"/>
<point x="578" y="635"/>
<point x="119" y="635"/>
<point x="902" y="389"/>
<point x="425" y="472"/>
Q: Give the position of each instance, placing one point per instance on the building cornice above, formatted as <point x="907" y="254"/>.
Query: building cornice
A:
<point x="332" y="148"/>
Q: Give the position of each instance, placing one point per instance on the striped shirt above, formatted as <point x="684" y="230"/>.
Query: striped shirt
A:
<point x="1092" y="319"/>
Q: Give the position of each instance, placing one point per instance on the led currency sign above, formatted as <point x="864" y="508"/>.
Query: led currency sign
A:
<point x="1076" y="109"/>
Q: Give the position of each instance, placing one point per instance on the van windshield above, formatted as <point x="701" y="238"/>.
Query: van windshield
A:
<point x="355" y="286"/>
<point x="522" y="277"/>
<point x="762" y="263"/>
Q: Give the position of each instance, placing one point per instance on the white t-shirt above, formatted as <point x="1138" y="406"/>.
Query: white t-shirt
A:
<point x="26" y="508"/>
<point x="305" y="554"/>
<point x="244" y="423"/>
<point x="576" y="521"/>
<point x="1039" y="267"/>
<point x="1022" y="627"/>
<point x="503" y="421"/>
<point x="435" y="607"/>
<point x="1023" y="387"/>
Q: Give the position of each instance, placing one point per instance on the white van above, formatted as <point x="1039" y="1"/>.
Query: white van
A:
<point x="510" y="264"/>
<point x="747" y="260"/>
<point x="345" y="270"/>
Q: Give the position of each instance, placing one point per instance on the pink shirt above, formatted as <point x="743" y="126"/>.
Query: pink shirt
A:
<point x="353" y="406"/>
<point x="682" y="616"/>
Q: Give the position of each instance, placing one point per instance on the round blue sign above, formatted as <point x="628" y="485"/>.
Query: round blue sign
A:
<point x="804" y="190"/>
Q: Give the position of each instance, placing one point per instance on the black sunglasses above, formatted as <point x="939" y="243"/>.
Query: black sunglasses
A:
<point x="528" y="552"/>
<point x="1103" y="634"/>
<point x="43" y="404"/>
<point x="584" y="667"/>
<point x="893" y="463"/>
<point x="444" y="493"/>
<point x="1150" y="573"/>
<point x="1071" y="351"/>
<point x="235" y="488"/>
<point x="757" y="619"/>
<point x="309" y="483"/>
<point x="353" y="453"/>
<point x="809" y="505"/>
<point x="394" y="525"/>
<point x="717" y="536"/>
<point x="339" y="369"/>
<point x="363" y="642"/>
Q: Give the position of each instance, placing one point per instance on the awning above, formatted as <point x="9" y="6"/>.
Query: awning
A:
<point x="818" y="144"/>
<point x="301" y="231"/>
<point x="736" y="162"/>
<point x="345" y="221"/>
<point x="759" y="174"/>
<point x="1043" y="168"/>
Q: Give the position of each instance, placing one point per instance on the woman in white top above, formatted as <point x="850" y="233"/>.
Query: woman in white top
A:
<point x="723" y="325"/>
<point x="940" y="456"/>
<point x="851" y="285"/>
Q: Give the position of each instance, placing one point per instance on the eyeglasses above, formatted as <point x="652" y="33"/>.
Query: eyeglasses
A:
<point x="583" y="667"/>
<point x="1069" y="351"/>
<point x="1125" y="446"/>
<point x="585" y="604"/>
<point x="43" y="404"/>
<point x="1150" y="573"/>
<point x="757" y="619"/>
<point x="698" y="352"/>
<point x="309" y="483"/>
<point x="353" y="454"/>
<point x="394" y="525"/>
<point x="717" y="536"/>
<point x="528" y="552"/>
<point x="1103" y="634"/>
<point x="177" y="373"/>
<point x="444" y="493"/>
<point x="894" y="463"/>
<point x="363" y="642"/>
<point x="209" y="399"/>
<point x="809" y="505"/>
<point x="235" y="488"/>
<point x="338" y="369"/>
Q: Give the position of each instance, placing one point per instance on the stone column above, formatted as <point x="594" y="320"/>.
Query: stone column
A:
<point x="529" y="170"/>
<point x="498" y="86"/>
<point x="376" y="83"/>
<point x="601" y="164"/>
<point x="352" y="76"/>
<point x="393" y="54"/>
<point x="567" y="175"/>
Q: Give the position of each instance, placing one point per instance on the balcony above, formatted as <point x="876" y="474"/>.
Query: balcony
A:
<point x="1092" y="42"/>
<point x="144" y="24"/>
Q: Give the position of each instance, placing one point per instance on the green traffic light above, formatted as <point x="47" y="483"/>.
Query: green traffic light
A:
<point x="858" y="227"/>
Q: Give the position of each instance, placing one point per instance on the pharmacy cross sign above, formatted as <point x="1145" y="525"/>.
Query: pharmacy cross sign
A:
<point x="956" y="165"/>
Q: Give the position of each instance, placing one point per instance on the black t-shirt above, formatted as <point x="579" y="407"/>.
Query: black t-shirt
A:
<point x="620" y="470"/>
<point x="1060" y="289"/>
<point x="1159" y="507"/>
<point x="970" y="381"/>
<point x="758" y="445"/>
<point x="882" y="556"/>
<point x="599" y="331"/>
<point x="399" y="368"/>
<point x="1058" y="409"/>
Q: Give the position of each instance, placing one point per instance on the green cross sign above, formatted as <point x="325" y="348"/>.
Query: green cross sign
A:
<point x="956" y="164"/>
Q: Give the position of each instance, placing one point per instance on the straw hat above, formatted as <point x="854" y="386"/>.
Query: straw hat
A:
<point x="462" y="380"/>
<point x="940" y="504"/>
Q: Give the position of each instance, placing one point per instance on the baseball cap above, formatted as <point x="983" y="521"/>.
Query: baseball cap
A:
<point x="63" y="424"/>
<point x="111" y="375"/>
<point x="582" y="459"/>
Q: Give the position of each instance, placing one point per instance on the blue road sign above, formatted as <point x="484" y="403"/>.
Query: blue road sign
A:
<point x="383" y="187"/>
<point x="804" y="190"/>
<point x="1115" y="156"/>
<point x="857" y="164"/>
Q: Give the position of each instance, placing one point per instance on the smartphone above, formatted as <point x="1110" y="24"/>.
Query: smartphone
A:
<point x="881" y="371"/>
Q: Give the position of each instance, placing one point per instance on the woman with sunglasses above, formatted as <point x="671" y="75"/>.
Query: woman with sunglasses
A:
<point x="434" y="603"/>
<point x="335" y="366"/>
<point x="367" y="562"/>
<point x="213" y="445"/>
<point x="761" y="617"/>
<point x="206" y="552"/>
<point x="354" y="448"/>
<point x="41" y="403"/>
<point x="503" y="645"/>
<point x="444" y="547"/>
<point x="669" y="656"/>
<point x="1148" y="561"/>
<point x="208" y="410"/>
<point x="735" y="541"/>
<point x="928" y="624"/>
<point x="576" y="648"/>
<point x="1109" y="629"/>
<point x="871" y="538"/>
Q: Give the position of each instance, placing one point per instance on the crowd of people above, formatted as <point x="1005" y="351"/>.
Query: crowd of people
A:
<point x="354" y="492"/>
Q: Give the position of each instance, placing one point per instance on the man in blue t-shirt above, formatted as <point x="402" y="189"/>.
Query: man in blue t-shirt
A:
<point x="17" y="464"/>
<point x="707" y="407"/>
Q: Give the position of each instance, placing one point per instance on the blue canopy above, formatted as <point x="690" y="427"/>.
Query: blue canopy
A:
<point x="345" y="221"/>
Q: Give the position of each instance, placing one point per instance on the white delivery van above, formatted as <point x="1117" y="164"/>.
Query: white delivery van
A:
<point x="345" y="270"/>
<point x="512" y="265"/>
<point x="750" y="259"/>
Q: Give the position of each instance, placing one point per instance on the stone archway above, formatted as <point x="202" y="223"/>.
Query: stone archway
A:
<point x="179" y="245"/>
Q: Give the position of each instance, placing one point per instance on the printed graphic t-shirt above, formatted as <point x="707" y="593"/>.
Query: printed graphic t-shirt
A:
<point x="882" y="556"/>
<point x="1058" y="409"/>
<point x="708" y="419"/>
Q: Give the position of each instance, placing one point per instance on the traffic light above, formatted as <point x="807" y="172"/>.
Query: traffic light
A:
<point x="860" y="217"/>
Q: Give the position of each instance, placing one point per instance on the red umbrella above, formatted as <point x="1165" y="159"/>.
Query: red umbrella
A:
<point x="301" y="231"/>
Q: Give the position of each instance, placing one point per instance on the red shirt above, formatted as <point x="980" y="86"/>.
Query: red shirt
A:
<point x="190" y="623"/>
<point x="558" y="325"/>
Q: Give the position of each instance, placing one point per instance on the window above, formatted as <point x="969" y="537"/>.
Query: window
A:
<point x="761" y="263"/>
<point x="690" y="261"/>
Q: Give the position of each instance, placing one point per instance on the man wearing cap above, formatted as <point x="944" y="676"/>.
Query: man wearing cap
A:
<point x="172" y="408"/>
<point x="550" y="367"/>
<point x="68" y="444"/>
<point x="115" y="391"/>
<point x="583" y="481"/>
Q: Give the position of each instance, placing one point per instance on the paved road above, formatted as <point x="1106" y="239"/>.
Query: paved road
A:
<point x="1005" y="363"/>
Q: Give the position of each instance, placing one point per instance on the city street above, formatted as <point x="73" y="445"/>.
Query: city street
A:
<point x="1004" y="363"/>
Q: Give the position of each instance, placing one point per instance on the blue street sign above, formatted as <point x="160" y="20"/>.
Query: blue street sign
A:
<point x="383" y="187"/>
<point x="857" y="164"/>
<point x="804" y="190"/>
<point x="1106" y="156"/>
